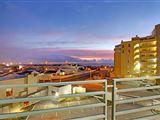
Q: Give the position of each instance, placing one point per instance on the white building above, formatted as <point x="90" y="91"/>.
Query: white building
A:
<point x="17" y="92"/>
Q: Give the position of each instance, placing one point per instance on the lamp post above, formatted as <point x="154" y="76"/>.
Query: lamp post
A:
<point x="60" y="79"/>
<point x="90" y="72"/>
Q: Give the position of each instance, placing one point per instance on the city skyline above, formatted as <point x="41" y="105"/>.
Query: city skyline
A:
<point x="74" y="29"/>
<point x="79" y="59"/>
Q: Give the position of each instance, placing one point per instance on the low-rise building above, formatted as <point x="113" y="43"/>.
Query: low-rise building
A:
<point x="18" y="92"/>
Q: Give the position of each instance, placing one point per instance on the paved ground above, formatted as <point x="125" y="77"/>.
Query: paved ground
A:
<point x="66" y="114"/>
<point x="84" y="112"/>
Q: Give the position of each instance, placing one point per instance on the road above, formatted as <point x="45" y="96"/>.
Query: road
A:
<point x="76" y="77"/>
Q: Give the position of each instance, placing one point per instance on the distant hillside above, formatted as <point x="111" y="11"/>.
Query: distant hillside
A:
<point x="64" y="58"/>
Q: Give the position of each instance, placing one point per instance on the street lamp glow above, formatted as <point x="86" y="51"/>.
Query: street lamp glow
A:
<point x="20" y="67"/>
<point x="147" y="76"/>
<point x="46" y="62"/>
<point x="7" y="65"/>
<point x="57" y="94"/>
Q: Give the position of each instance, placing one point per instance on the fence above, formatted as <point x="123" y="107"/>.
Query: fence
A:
<point x="49" y="97"/>
<point x="148" y="93"/>
<point x="120" y="96"/>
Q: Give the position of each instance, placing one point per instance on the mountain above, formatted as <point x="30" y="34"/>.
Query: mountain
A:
<point x="64" y="58"/>
<point x="57" y="58"/>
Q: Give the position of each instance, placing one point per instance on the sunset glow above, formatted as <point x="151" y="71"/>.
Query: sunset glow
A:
<point x="84" y="30"/>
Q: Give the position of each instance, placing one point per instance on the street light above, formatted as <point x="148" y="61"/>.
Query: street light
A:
<point x="90" y="73"/>
<point x="57" y="94"/>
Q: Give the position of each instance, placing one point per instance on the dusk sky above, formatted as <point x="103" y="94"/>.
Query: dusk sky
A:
<point x="85" y="29"/>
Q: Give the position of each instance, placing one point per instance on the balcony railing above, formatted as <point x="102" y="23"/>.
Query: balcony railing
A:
<point x="53" y="97"/>
<point x="143" y="110"/>
<point x="129" y="101"/>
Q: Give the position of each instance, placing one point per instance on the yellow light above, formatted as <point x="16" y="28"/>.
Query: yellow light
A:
<point x="56" y="94"/>
<point x="154" y="66"/>
<point x="137" y="56"/>
<point x="7" y="65"/>
<point x="137" y="67"/>
<point x="154" y="48"/>
<point x="16" y="110"/>
<point x="46" y="62"/>
<point x="147" y="76"/>
<point x="136" y="45"/>
<point x="154" y="60"/>
<point x="136" y="51"/>
<point x="20" y="67"/>
<point x="154" y="42"/>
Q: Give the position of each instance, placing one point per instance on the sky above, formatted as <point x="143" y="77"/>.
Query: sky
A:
<point x="81" y="29"/>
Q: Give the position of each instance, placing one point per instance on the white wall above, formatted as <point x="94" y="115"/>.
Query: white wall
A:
<point x="65" y="89"/>
<point x="16" y="91"/>
<point x="61" y="90"/>
<point x="12" y="82"/>
<point x="32" y="79"/>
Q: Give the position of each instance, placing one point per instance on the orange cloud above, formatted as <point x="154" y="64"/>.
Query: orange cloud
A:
<point x="86" y="54"/>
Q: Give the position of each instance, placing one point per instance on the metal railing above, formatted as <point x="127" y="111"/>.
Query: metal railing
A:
<point x="52" y="97"/>
<point x="124" y="93"/>
<point x="133" y="100"/>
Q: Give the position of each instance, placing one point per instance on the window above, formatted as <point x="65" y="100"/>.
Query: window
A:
<point x="129" y="45"/>
<point x="9" y="92"/>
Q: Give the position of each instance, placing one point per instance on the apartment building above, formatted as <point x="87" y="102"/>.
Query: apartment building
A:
<point x="138" y="57"/>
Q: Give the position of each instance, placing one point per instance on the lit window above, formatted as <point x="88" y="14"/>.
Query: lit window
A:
<point x="137" y="67"/>
<point x="129" y="45"/>
<point x="136" y="51"/>
<point x="137" y="56"/>
<point x="9" y="92"/>
<point x="136" y="45"/>
<point x="154" y="42"/>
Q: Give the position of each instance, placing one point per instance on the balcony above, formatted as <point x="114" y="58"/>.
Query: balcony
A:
<point x="132" y="98"/>
<point x="147" y="45"/>
<point x="149" y="50"/>
<point x="140" y="100"/>
<point x="69" y="105"/>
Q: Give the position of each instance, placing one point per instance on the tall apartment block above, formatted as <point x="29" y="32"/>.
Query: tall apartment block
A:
<point x="138" y="57"/>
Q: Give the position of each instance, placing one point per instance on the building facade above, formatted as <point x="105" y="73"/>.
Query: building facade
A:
<point x="138" y="57"/>
<point x="18" y="92"/>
